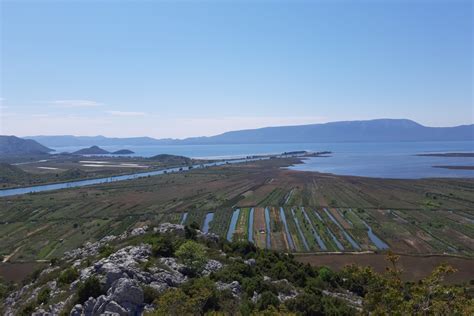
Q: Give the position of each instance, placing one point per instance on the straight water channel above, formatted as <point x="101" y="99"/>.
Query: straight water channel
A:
<point x="183" y="219"/>
<point x="250" y="231"/>
<point x="321" y="244"/>
<point x="267" y="224"/>
<point x="348" y="237"/>
<point x="374" y="238"/>
<point x="338" y="244"/>
<point x="207" y="221"/>
<point x="299" y="230"/>
<point x="287" y="231"/>
<point x="233" y="223"/>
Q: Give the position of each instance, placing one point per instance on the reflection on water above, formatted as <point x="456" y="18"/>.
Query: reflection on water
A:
<point x="267" y="222"/>
<point x="299" y="230"/>
<point x="207" y="221"/>
<point x="321" y="244"/>
<point x="250" y="231"/>
<point x="287" y="231"/>
<point x="385" y="160"/>
<point x="338" y="244"/>
<point x="374" y="238"/>
<point x="183" y="219"/>
<point x="233" y="223"/>
<point x="82" y="183"/>
<point x="348" y="237"/>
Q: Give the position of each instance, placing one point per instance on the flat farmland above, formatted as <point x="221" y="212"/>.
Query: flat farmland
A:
<point x="413" y="267"/>
<point x="428" y="216"/>
<point x="259" y="227"/>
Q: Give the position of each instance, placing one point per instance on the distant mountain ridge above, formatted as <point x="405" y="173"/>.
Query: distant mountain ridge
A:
<point x="87" y="141"/>
<point x="12" y="145"/>
<point x="380" y="130"/>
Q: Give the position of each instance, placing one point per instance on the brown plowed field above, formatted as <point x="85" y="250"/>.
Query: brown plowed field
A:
<point x="414" y="267"/>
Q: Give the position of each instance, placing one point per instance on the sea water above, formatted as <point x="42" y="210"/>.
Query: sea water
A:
<point x="385" y="160"/>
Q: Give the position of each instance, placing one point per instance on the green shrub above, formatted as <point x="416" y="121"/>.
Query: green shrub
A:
<point x="243" y="248"/>
<point x="4" y="288"/>
<point x="193" y="255"/>
<point x="27" y="310"/>
<point x="189" y="232"/>
<point x="235" y="271"/>
<point x="149" y="294"/>
<point x="43" y="296"/>
<point x="106" y="251"/>
<point x="90" y="288"/>
<point x="174" y="302"/>
<point x="306" y="304"/>
<point x="68" y="276"/>
<point x="255" y="284"/>
<point x="203" y="293"/>
<point x="194" y="225"/>
<point x="267" y="299"/>
<point x="163" y="247"/>
<point x="326" y="274"/>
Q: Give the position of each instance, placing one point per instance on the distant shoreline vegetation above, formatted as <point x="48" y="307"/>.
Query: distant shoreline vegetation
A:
<point x="451" y="155"/>
<point x="455" y="167"/>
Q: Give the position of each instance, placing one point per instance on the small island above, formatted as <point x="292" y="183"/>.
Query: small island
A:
<point x="93" y="150"/>
<point x="96" y="150"/>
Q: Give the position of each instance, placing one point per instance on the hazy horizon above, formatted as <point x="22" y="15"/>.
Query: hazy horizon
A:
<point x="177" y="70"/>
<point x="192" y="136"/>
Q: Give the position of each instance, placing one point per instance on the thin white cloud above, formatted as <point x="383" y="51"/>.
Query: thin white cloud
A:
<point x="125" y="113"/>
<point x="40" y="115"/>
<point x="76" y="103"/>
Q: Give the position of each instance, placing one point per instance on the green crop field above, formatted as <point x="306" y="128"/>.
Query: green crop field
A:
<point x="43" y="225"/>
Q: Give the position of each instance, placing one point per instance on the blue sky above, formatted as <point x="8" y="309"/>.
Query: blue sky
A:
<point x="178" y="69"/>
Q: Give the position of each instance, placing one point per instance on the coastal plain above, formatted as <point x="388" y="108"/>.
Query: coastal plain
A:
<point x="306" y="213"/>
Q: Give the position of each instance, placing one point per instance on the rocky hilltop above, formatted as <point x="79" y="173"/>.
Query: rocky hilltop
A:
<point x="125" y="274"/>
<point x="172" y="269"/>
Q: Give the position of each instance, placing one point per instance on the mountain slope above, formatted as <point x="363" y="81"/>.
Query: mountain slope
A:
<point x="12" y="145"/>
<point x="381" y="130"/>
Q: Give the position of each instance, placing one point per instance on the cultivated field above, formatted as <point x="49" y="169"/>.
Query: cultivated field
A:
<point x="67" y="167"/>
<point x="300" y="212"/>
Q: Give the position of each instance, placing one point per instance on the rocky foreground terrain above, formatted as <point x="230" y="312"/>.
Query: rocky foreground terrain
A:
<point x="127" y="276"/>
<point x="175" y="270"/>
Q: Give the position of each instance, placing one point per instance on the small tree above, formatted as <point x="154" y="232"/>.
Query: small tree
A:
<point x="163" y="247"/>
<point x="193" y="255"/>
